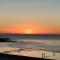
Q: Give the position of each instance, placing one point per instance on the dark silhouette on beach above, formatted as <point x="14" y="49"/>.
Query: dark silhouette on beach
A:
<point x="43" y="55"/>
<point x="16" y="57"/>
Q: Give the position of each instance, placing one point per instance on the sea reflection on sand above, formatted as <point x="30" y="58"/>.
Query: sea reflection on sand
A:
<point x="30" y="52"/>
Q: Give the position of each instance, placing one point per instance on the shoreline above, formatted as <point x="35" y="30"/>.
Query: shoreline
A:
<point x="36" y="53"/>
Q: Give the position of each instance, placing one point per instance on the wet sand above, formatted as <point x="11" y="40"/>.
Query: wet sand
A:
<point x="29" y="52"/>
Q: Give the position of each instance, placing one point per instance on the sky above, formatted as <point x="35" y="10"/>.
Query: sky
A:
<point x="30" y="16"/>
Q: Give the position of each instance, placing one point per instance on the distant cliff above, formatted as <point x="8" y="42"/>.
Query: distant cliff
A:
<point x="5" y="40"/>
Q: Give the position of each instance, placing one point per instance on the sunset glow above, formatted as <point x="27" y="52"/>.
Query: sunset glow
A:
<point x="28" y="31"/>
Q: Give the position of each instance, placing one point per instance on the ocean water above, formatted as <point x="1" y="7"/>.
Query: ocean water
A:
<point x="53" y="45"/>
<point x="37" y="42"/>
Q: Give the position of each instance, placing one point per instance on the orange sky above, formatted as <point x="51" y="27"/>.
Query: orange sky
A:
<point x="30" y="29"/>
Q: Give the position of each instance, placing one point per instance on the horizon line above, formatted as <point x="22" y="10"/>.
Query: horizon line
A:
<point x="30" y="34"/>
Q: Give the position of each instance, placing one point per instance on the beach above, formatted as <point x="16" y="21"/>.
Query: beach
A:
<point x="29" y="52"/>
<point x="37" y="48"/>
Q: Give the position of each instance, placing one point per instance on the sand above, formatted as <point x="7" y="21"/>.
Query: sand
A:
<point x="30" y="52"/>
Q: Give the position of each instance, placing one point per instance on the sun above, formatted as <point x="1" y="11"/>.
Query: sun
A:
<point x="28" y="31"/>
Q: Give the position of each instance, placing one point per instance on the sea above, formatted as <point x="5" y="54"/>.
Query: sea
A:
<point x="46" y="42"/>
